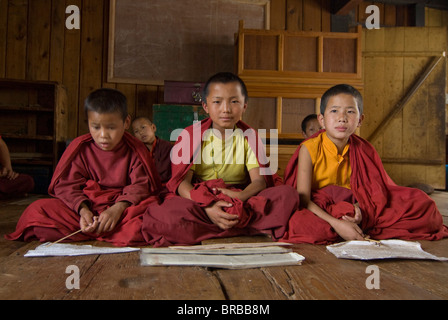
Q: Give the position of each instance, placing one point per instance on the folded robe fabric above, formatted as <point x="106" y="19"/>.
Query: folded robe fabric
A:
<point x="388" y="211"/>
<point x="52" y="219"/>
<point x="206" y="193"/>
<point x="180" y="221"/>
<point x="23" y="184"/>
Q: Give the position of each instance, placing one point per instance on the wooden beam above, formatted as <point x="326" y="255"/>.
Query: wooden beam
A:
<point x="414" y="161"/>
<point x="343" y="7"/>
<point x="435" y="4"/>
<point x="403" y="102"/>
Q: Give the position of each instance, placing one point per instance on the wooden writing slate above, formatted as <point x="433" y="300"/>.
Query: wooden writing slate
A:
<point x="157" y="40"/>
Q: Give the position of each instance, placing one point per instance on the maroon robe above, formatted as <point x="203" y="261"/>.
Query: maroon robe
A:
<point x="388" y="210"/>
<point x="18" y="187"/>
<point x="99" y="178"/>
<point x="180" y="221"/>
<point x="161" y="154"/>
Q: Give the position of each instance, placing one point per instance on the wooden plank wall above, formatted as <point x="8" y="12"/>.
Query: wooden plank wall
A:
<point x="439" y="18"/>
<point x="393" y="59"/>
<point x="36" y="45"/>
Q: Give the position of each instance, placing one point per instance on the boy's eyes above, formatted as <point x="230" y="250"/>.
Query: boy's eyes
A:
<point x="348" y="111"/>
<point x="99" y="127"/>
<point x="219" y="101"/>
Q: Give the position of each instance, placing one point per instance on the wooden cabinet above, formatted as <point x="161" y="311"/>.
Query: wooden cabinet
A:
<point x="33" y="123"/>
<point x="287" y="72"/>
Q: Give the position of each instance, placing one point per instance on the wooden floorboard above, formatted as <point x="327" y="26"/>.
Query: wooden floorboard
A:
<point x="120" y="277"/>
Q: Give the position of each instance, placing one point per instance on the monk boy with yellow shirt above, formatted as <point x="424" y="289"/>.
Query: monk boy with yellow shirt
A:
<point x="222" y="189"/>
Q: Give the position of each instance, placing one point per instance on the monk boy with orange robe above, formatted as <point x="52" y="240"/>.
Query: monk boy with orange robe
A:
<point x="102" y="184"/>
<point x="221" y="185"/>
<point x="345" y="193"/>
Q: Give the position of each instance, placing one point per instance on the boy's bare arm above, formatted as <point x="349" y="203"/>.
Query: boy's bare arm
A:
<point x="185" y="186"/>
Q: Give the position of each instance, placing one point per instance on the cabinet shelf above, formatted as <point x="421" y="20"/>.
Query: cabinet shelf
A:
<point x="28" y="108"/>
<point x="33" y="123"/>
<point x="27" y="137"/>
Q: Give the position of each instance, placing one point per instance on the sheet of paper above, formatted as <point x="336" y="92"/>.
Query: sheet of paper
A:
<point x="387" y="249"/>
<point x="62" y="249"/>
<point x="221" y="261"/>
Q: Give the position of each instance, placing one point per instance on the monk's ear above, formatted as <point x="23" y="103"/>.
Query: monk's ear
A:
<point x="127" y="122"/>
<point x="361" y="119"/>
<point x="245" y="107"/>
<point x="320" y="118"/>
<point x="205" y="107"/>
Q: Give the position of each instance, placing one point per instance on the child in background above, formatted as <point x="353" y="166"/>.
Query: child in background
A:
<point x="345" y="193"/>
<point x="12" y="184"/>
<point x="310" y="126"/>
<point x="102" y="184"/>
<point x="160" y="149"/>
<point x="224" y="194"/>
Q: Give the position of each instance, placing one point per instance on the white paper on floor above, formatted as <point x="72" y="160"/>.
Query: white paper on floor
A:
<point x="387" y="249"/>
<point x="62" y="249"/>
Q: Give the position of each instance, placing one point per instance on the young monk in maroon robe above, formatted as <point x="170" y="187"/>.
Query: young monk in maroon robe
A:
<point x="221" y="185"/>
<point x="12" y="184"/>
<point x="102" y="184"/>
<point x="345" y="193"/>
<point x="160" y="149"/>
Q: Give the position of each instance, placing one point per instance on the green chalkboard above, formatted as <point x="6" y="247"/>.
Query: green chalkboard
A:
<point x="171" y="117"/>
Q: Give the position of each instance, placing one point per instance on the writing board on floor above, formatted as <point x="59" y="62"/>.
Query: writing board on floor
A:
<point x="233" y="245"/>
<point x="237" y="258"/>
<point x="386" y="249"/>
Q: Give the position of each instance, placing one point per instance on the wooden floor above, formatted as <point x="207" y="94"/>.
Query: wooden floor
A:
<point x="322" y="275"/>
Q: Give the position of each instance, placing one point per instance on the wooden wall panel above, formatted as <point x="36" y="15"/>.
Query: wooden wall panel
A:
<point x="3" y="35"/>
<point x="438" y="18"/>
<point x="412" y="146"/>
<point x="35" y="45"/>
<point x="38" y="45"/>
<point x="17" y="39"/>
<point x="92" y="42"/>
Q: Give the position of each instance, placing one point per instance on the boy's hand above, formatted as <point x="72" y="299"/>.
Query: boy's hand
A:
<point x="358" y="215"/>
<point x="221" y="218"/>
<point x="230" y="193"/>
<point x="348" y="230"/>
<point x="8" y="173"/>
<point x="88" y="222"/>
<point x="109" y="218"/>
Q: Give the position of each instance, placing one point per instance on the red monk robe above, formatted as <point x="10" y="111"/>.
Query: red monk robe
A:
<point x="180" y="221"/>
<point x="17" y="187"/>
<point x="389" y="211"/>
<point x="161" y="154"/>
<point x="101" y="178"/>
